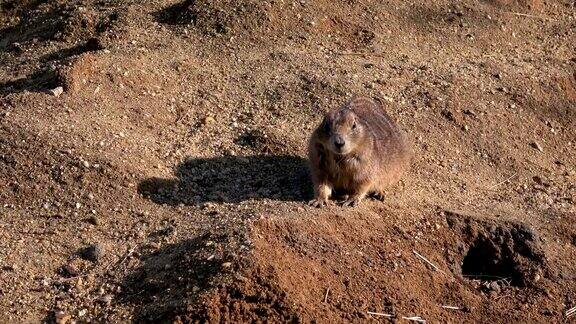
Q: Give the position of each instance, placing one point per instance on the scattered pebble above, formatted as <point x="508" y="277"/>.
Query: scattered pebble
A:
<point x="61" y="317"/>
<point x="106" y="299"/>
<point x="209" y="120"/>
<point x="494" y="286"/>
<point x="536" y="278"/>
<point x="537" y="146"/>
<point x="93" y="220"/>
<point x="56" y="92"/>
<point x="226" y="265"/>
<point x="92" y="252"/>
<point x="71" y="270"/>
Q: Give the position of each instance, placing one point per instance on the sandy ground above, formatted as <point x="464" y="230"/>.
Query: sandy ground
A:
<point x="153" y="161"/>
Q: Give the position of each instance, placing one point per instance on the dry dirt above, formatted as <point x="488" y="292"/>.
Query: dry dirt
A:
<point x="168" y="182"/>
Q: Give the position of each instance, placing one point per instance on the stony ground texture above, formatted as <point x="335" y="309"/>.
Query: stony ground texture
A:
<point x="153" y="161"/>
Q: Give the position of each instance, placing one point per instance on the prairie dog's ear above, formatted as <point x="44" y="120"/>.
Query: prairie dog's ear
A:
<point x="325" y="124"/>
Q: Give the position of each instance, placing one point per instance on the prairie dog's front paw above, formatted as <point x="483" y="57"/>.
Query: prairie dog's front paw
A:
<point x="318" y="202"/>
<point x="351" y="201"/>
<point x="378" y="195"/>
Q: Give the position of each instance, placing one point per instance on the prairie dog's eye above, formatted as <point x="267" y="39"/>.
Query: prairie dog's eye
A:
<point x="354" y="125"/>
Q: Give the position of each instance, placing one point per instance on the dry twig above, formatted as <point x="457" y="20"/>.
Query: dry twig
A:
<point x="502" y="182"/>
<point x="415" y="319"/>
<point x="326" y="296"/>
<point x="428" y="261"/>
<point x="531" y="16"/>
<point x="380" y="314"/>
<point x="359" y="54"/>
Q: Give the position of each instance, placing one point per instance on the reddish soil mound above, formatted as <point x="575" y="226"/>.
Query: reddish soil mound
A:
<point x="153" y="161"/>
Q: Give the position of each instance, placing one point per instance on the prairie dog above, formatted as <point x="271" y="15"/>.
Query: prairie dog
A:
<point x="357" y="150"/>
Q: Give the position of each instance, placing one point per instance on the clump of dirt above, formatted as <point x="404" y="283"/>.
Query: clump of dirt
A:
<point x="250" y="297"/>
<point x="217" y="17"/>
<point x="523" y="5"/>
<point x="180" y="271"/>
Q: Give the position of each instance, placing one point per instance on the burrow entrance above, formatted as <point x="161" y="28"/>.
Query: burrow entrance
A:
<point x="487" y="261"/>
<point x="504" y="252"/>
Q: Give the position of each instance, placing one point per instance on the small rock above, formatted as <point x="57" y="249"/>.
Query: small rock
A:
<point x="547" y="312"/>
<point x="494" y="286"/>
<point x="86" y="164"/>
<point x="82" y="312"/>
<point x="92" y="253"/>
<point x="93" y="220"/>
<point x="227" y="265"/>
<point x="56" y="92"/>
<point x="538" y="180"/>
<point x="71" y="270"/>
<point x="536" y="278"/>
<point x="106" y="299"/>
<point x="62" y="318"/>
<point x="448" y="115"/>
<point x="209" y="120"/>
<point x="537" y="146"/>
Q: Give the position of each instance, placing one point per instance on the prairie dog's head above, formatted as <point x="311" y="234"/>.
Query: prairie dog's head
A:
<point x="342" y="131"/>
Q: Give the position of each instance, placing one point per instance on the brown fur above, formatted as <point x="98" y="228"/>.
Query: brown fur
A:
<point x="374" y="152"/>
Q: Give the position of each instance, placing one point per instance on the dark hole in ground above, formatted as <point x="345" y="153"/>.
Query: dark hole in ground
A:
<point x="213" y="18"/>
<point x="498" y="251"/>
<point x="487" y="261"/>
<point x="509" y="253"/>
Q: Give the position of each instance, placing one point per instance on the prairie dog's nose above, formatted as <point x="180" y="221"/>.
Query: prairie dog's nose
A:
<point x="339" y="142"/>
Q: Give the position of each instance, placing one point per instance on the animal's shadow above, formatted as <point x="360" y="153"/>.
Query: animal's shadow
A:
<point x="232" y="179"/>
<point x="39" y="81"/>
